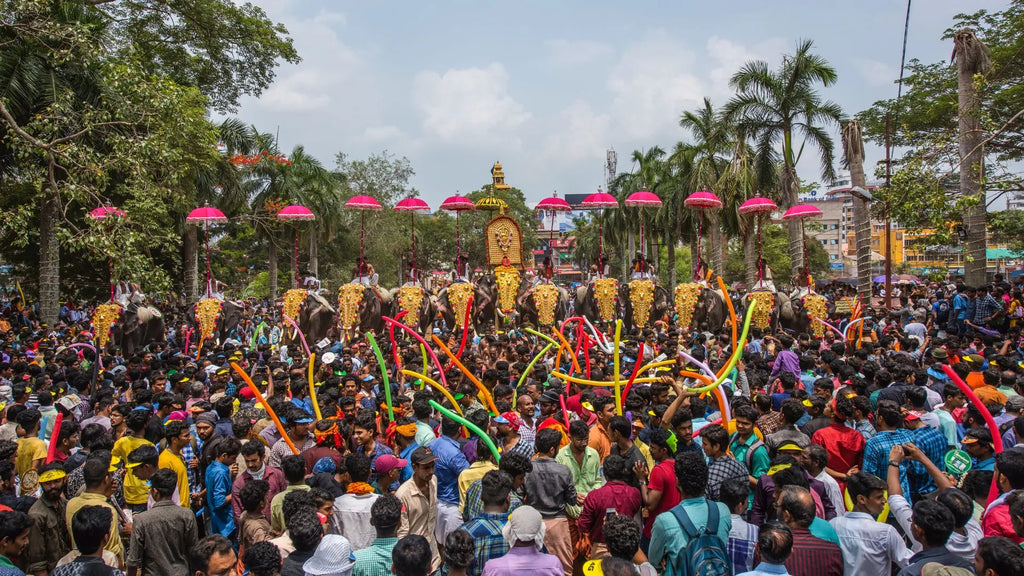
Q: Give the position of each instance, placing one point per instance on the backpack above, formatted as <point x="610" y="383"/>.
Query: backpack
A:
<point x="942" y="313"/>
<point x="748" y="458"/>
<point x="705" y="553"/>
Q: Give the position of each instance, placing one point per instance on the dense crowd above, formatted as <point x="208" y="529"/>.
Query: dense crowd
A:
<point x="829" y="456"/>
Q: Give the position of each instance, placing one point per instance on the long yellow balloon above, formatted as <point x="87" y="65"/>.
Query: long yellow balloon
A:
<point x="479" y="385"/>
<point x="586" y="382"/>
<point x="615" y="360"/>
<point x="735" y="355"/>
<point x="437" y="386"/>
<point x="312" y="388"/>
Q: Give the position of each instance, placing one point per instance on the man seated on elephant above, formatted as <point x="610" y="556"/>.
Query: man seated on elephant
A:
<point x="364" y="273"/>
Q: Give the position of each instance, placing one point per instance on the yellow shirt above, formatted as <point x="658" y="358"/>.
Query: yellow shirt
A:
<point x="91" y="499"/>
<point x="29" y="450"/>
<point x="475" y="472"/>
<point x="135" y="490"/>
<point x="175" y="463"/>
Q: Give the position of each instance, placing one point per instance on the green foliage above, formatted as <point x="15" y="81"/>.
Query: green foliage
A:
<point x="775" y="250"/>
<point x="1007" y="227"/>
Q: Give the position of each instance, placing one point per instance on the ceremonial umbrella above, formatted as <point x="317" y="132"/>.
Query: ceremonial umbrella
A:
<point x="457" y="204"/>
<point x="701" y="201"/>
<point x="757" y="206"/>
<point x="364" y="204"/>
<point x="100" y="214"/>
<point x="413" y="206"/>
<point x="553" y="204"/>
<point x="294" y="213"/>
<point x="802" y="212"/>
<point x="599" y="201"/>
<point x="207" y="214"/>
<point x="642" y="199"/>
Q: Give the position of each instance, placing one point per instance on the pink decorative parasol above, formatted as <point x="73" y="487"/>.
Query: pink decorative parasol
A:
<point x="758" y="205"/>
<point x="552" y="204"/>
<point x="206" y="215"/>
<point x="100" y="214"/>
<point x="364" y="204"/>
<point x="700" y="201"/>
<point x="458" y="204"/>
<point x="294" y="213"/>
<point x="802" y="212"/>
<point x="643" y="199"/>
<point x="600" y="201"/>
<point x="413" y="206"/>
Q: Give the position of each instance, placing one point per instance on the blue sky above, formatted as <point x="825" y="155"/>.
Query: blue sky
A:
<point x="547" y="87"/>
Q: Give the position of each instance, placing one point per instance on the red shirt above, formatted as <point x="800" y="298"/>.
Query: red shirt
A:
<point x="615" y="495"/>
<point x="845" y="446"/>
<point x="663" y="479"/>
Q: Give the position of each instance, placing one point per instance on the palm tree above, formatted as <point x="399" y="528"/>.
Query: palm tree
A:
<point x="739" y="183"/>
<point x="853" y="157"/>
<point x="712" y="134"/>
<point x="971" y="59"/>
<point x="776" y="106"/>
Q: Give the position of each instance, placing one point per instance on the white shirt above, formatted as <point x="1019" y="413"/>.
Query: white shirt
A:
<point x="964" y="545"/>
<point x="352" y="519"/>
<point x="869" y="546"/>
<point x="833" y="492"/>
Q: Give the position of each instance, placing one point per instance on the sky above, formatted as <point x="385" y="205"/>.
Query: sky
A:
<point x="547" y="87"/>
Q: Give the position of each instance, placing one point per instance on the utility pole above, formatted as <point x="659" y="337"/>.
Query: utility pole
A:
<point x="888" y="217"/>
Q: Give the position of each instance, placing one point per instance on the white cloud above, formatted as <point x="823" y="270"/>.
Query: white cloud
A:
<point x="728" y="55"/>
<point x="579" y="134"/>
<point x="568" y="53"/>
<point x="652" y="84"/>
<point x="875" y="73"/>
<point x="469" y="104"/>
<point x="384" y="133"/>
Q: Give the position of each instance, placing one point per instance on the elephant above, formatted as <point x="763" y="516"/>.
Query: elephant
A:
<point x="661" y="305"/>
<point x="427" y="309"/>
<point x="138" y="327"/>
<point x="711" y="311"/>
<point x="526" y="305"/>
<point x="787" y="313"/>
<point x="483" y="305"/>
<point x="315" y="319"/>
<point x="366" y="316"/>
<point x="585" y="304"/>
<point x="231" y="313"/>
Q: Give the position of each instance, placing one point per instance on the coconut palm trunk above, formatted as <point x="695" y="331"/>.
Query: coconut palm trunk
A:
<point x="717" y="261"/>
<point x="791" y="192"/>
<point x="314" y="252"/>
<point x="49" y="261"/>
<point x="670" y="255"/>
<point x="272" y="266"/>
<point x="971" y="60"/>
<point x="853" y="150"/>
<point x="750" y="255"/>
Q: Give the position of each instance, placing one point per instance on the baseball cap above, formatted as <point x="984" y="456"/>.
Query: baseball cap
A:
<point x="386" y="463"/>
<point x="422" y="455"/>
<point x="976" y="435"/>
<point x="499" y="420"/>
<point x="939" y="353"/>
<point x="549" y="397"/>
<point x="912" y="415"/>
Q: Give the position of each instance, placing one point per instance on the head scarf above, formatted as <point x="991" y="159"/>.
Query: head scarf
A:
<point x="207" y="417"/>
<point x="524" y="525"/>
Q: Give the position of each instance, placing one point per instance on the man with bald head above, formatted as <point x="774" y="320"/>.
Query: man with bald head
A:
<point x="811" y="556"/>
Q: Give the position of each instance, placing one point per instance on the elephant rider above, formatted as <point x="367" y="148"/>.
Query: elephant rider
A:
<point x="126" y="292"/>
<point x="461" y="272"/>
<point x="764" y="281"/>
<point x="547" y="267"/>
<point x="642" y="268"/>
<point x="411" y="275"/>
<point x="216" y="289"/>
<point x="364" y="273"/>
<point x="310" y="282"/>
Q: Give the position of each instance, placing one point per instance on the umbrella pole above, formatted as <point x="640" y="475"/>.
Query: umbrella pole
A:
<point x="807" y="263"/>
<point x="362" y="228"/>
<point x="760" y="262"/>
<point x="458" y="247"/>
<point x="551" y="245"/>
<point x="600" y="242"/>
<point x="295" y="256"/>
<point x="412" y="224"/>
<point x="206" y="227"/>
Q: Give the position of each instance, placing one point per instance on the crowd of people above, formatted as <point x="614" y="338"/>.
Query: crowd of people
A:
<point x="820" y="457"/>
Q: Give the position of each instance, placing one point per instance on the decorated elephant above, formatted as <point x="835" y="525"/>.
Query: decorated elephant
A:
<point x="452" y="300"/>
<point x="360" y="308"/>
<point x="136" y="327"/>
<point x="598" y="301"/>
<point x="700" y="307"/>
<point x="311" y="311"/>
<point x="787" y="311"/>
<point x="419" y="307"/>
<point x="643" y="301"/>
<point x="217" y="319"/>
<point x="542" y="305"/>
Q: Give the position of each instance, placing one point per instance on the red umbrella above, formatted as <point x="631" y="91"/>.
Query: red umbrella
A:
<point x="413" y="206"/>
<point x="100" y="214"/>
<point x="294" y="213"/>
<point x="802" y="212"/>
<point x="757" y="206"/>
<point x="599" y="201"/>
<point x="457" y="204"/>
<point x="364" y="204"/>
<point x="206" y="214"/>
<point x="642" y="199"/>
<point x="701" y="201"/>
<point x="553" y="204"/>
